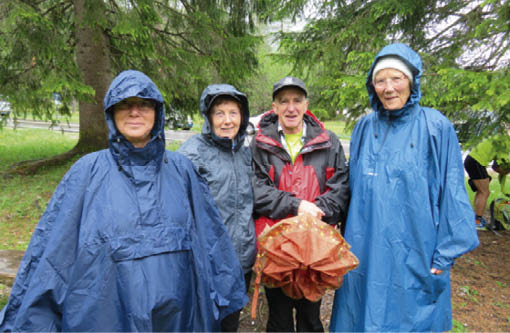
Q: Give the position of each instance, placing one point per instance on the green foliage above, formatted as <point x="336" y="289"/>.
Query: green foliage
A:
<point x="321" y="114"/>
<point x="3" y="301"/>
<point x="501" y="305"/>
<point x="470" y="293"/>
<point x="477" y="262"/>
<point x="183" y="46"/>
<point x="458" y="326"/>
<point x="464" y="46"/>
<point x="501" y="284"/>
<point x="259" y="86"/>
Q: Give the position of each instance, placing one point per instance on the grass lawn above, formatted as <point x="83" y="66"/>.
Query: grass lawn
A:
<point x="24" y="198"/>
<point x="338" y="127"/>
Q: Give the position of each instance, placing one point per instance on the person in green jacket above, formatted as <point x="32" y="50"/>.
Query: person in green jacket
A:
<point x="497" y="149"/>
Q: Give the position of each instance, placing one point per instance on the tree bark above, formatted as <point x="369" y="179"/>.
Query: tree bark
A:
<point x="93" y="60"/>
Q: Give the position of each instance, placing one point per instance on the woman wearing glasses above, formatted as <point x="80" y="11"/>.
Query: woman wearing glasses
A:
<point x="409" y="215"/>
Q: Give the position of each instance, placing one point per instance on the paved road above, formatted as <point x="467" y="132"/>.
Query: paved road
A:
<point x="170" y="135"/>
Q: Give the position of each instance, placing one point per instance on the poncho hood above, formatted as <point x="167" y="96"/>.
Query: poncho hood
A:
<point x="413" y="61"/>
<point x="212" y="92"/>
<point x="132" y="83"/>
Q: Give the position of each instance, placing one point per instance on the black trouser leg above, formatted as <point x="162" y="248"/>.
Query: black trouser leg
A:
<point x="231" y="322"/>
<point x="280" y="305"/>
<point x="281" y="318"/>
<point x="308" y="316"/>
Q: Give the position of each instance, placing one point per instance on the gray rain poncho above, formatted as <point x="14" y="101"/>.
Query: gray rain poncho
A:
<point x="226" y="166"/>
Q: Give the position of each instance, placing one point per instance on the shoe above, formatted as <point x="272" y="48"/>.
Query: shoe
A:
<point x="481" y="224"/>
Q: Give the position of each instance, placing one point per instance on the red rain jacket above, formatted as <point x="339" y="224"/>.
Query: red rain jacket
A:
<point x="319" y="173"/>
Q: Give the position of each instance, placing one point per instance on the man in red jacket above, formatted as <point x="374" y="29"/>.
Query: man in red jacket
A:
<point x="299" y="168"/>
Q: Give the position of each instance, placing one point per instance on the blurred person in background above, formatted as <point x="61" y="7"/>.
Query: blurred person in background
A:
<point x="494" y="149"/>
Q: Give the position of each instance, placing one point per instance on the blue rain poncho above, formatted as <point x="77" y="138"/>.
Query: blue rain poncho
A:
<point x="409" y="212"/>
<point x="130" y="241"/>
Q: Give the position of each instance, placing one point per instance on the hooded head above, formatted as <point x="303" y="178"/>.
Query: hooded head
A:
<point x="398" y="57"/>
<point x="134" y="84"/>
<point x="210" y="98"/>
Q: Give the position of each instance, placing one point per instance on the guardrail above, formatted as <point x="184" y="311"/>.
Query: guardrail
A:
<point x="171" y="136"/>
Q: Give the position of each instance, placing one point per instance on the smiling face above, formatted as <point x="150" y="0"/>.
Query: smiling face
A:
<point x="225" y="118"/>
<point x="290" y="105"/>
<point x="134" y="118"/>
<point x="393" y="88"/>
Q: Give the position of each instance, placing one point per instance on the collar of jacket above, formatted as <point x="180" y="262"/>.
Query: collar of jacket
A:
<point x="126" y="155"/>
<point x="316" y="136"/>
<point x="396" y="116"/>
<point x="224" y="143"/>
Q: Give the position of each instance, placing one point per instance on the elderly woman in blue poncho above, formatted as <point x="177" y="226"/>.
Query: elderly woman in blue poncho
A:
<point x="131" y="239"/>
<point x="409" y="215"/>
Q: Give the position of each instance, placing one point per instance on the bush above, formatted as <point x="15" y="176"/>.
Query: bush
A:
<point x="321" y="114"/>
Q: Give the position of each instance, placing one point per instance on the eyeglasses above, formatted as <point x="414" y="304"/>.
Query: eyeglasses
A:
<point x="143" y="105"/>
<point x="395" y="81"/>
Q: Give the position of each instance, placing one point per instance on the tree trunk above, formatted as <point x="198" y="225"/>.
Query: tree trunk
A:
<point x="93" y="60"/>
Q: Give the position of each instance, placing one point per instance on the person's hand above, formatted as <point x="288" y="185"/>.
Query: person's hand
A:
<point x="436" y="271"/>
<point x="310" y="208"/>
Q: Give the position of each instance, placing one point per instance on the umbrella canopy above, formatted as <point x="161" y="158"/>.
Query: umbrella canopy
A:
<point x="304" y="256"/>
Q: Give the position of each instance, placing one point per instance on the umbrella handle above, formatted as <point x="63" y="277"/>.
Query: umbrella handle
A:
<point x="255" y="296"/>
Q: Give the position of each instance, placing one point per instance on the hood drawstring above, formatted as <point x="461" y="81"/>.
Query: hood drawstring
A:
<point x="119" y="162"/>
<point x="166" y="158"/>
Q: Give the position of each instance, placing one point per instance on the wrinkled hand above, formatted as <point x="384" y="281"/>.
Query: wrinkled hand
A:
<point x="436" y="271"/>
<point x="310" y="208"/>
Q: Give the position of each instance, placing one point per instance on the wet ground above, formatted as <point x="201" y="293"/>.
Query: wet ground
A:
<point x="9" y="262"/>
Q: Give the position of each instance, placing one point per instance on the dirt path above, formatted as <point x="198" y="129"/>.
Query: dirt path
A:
<point x="480" y="290"/>
<point x="481" y="285"/>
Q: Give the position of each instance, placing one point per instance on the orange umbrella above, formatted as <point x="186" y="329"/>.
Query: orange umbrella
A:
<point x="302" y="255"/>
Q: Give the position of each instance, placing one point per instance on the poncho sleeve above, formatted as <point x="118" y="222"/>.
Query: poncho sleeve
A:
<point x="456" y="233"/>
<point x="42" y="280"/>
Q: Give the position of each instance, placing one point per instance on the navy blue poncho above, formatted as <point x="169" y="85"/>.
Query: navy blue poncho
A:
<point x="130" y="241"/>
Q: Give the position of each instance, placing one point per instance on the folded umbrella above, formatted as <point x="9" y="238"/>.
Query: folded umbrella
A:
<point x="302" y="255"/>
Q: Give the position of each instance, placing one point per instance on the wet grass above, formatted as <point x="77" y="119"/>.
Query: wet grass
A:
<point x="24" y="198"/>
<point x="339" y="128"/>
